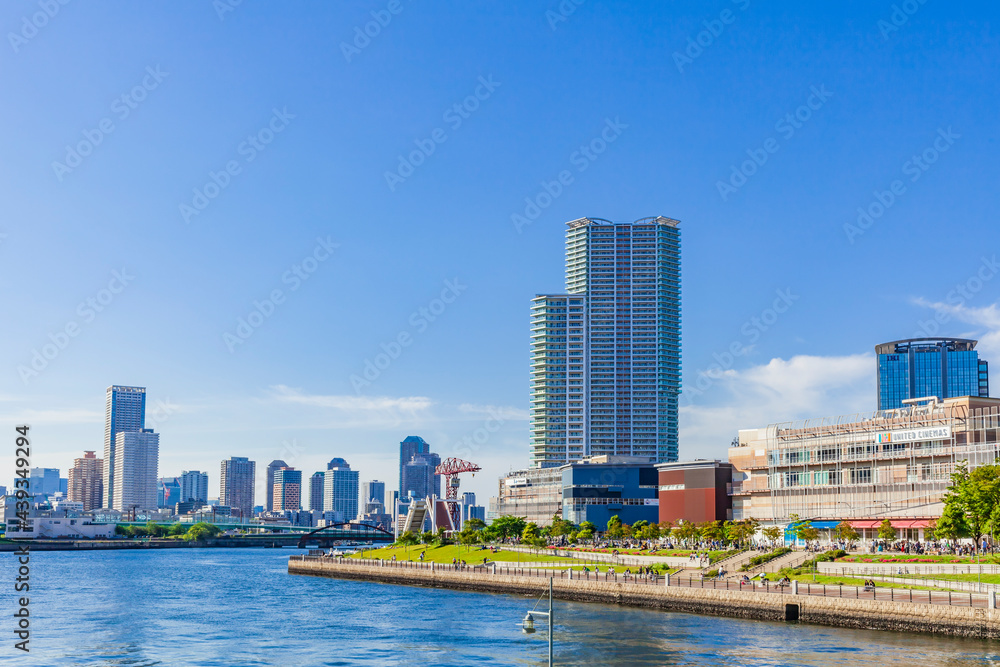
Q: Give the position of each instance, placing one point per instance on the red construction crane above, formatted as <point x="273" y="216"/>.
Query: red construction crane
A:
<point x="450" y="468"/>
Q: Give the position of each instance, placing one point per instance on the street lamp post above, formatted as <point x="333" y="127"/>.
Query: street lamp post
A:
<point x="528" y="624"/>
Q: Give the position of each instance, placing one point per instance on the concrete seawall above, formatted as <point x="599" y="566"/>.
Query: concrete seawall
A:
<point x="841" y="612"/>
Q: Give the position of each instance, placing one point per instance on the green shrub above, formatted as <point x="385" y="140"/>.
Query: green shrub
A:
<point x="764" y="558"/>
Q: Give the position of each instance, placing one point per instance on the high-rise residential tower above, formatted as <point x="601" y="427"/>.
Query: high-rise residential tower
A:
<point x="340" y="491"/>
<point x="194" y="486"/>
<point x="605" y="355"/>
<point x="287" y="490"/>
<point x="124" y="410"/>
<point x="86" y="481"/>
<point x="137" y="459"/>
<point x="236" y="482"/>
<point x="925" y="367"/>
<point x="269" y="483"/>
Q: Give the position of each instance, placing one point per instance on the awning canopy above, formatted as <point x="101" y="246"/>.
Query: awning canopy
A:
<point x="825" y="525"/>
<point x="896" y="523"/>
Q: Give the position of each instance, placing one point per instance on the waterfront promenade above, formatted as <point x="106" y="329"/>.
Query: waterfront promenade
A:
<point x="956" y="614"/>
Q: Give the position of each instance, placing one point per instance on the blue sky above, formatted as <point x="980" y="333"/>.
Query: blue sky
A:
<point x="277" y="124"/>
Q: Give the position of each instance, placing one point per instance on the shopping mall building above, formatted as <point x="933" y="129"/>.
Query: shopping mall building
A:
<point x="863" y="468"/>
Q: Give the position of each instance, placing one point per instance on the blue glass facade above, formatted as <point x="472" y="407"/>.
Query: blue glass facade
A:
<point x="597" y="492"/>
<point x="923" y="367"/>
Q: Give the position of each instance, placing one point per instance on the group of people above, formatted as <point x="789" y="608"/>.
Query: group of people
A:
<point x="869" y="584"/>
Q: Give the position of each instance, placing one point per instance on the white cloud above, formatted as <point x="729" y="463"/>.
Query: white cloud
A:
<point x="780" y="390"/>
<point x="350" y="403"/>
<point x="985" y="320"/>
<point x="504" y="412"/>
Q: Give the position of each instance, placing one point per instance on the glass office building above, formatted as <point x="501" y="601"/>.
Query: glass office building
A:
<point x="925" y="367"/>
<point x="605" y="356"/>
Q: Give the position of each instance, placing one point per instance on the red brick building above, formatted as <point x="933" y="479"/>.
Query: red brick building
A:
<point x="695" y="491"/>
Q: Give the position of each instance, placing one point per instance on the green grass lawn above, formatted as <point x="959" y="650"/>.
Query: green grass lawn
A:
<point x="445" y="554"/>
<point x="972" y="578"/>
<point x="673" y="553"/>
<point x="852" y="581"/>
<point x="917" y="559"/>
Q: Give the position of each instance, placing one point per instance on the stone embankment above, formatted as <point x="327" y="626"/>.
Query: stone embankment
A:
<point x="872" y="614"/>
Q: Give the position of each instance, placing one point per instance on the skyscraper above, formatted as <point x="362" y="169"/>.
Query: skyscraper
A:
<point x="419" y="480"/>
<point x="340" y="491"/>
<point x="124" y="410"/>
<point x="408" y="448"/>
<point x="43" y="483"/>
<point x="236" y="482"/>
<point x="138" y="455"/>
<point x="605" y="356"/>
<point x="86" y="481"/>
<point x="923" y="367"/>
<point x="373" y="490"/>
<point x="168" y="492"/>
<point x="287" y="490"/>
<point x="316" y="491"/>
<point x="194" y="486"/>
<point x="269" y="483"/>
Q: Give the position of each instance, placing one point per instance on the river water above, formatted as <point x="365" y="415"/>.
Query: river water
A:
<point x="241" y="607"/>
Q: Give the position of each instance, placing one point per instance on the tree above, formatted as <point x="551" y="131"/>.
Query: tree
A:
<point x="807" y="532"/>
<point x="178" y="529"/>
<point x="951" y="526"/>
<point x="427" y="537"/>
<point x="585" y="534"/>
<point x="201" y="531"/>
<point x="846" y="532"/>
<point x="976" y="495"/>
<point x="560" y="526"/>
<point x="614" y="529"/>
<point x="650" y="531"/>
<point x="712" y="530"/>
<point x="772" y="533"/>
<point x="506" y="527"/>
<point x="408" y="538"/>
<point x="475" y="524"/>
<point x="686" y="530"/>
<point x="469" y="536"/>
<point x="886" y="531"/>
<point x="442" y="537"/>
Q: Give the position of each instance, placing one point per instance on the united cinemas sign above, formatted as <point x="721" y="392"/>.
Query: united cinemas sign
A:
<point x="915" y="435"/>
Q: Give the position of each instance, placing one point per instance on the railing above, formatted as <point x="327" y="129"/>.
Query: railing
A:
<point x="884" y="594"/>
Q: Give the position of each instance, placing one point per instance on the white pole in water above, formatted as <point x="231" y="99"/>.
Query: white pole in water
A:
<point x="550" y="621"/>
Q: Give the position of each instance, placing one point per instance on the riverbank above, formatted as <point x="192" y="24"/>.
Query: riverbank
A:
<point x="258" y="542"/>
<point x="927" y="613"/>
